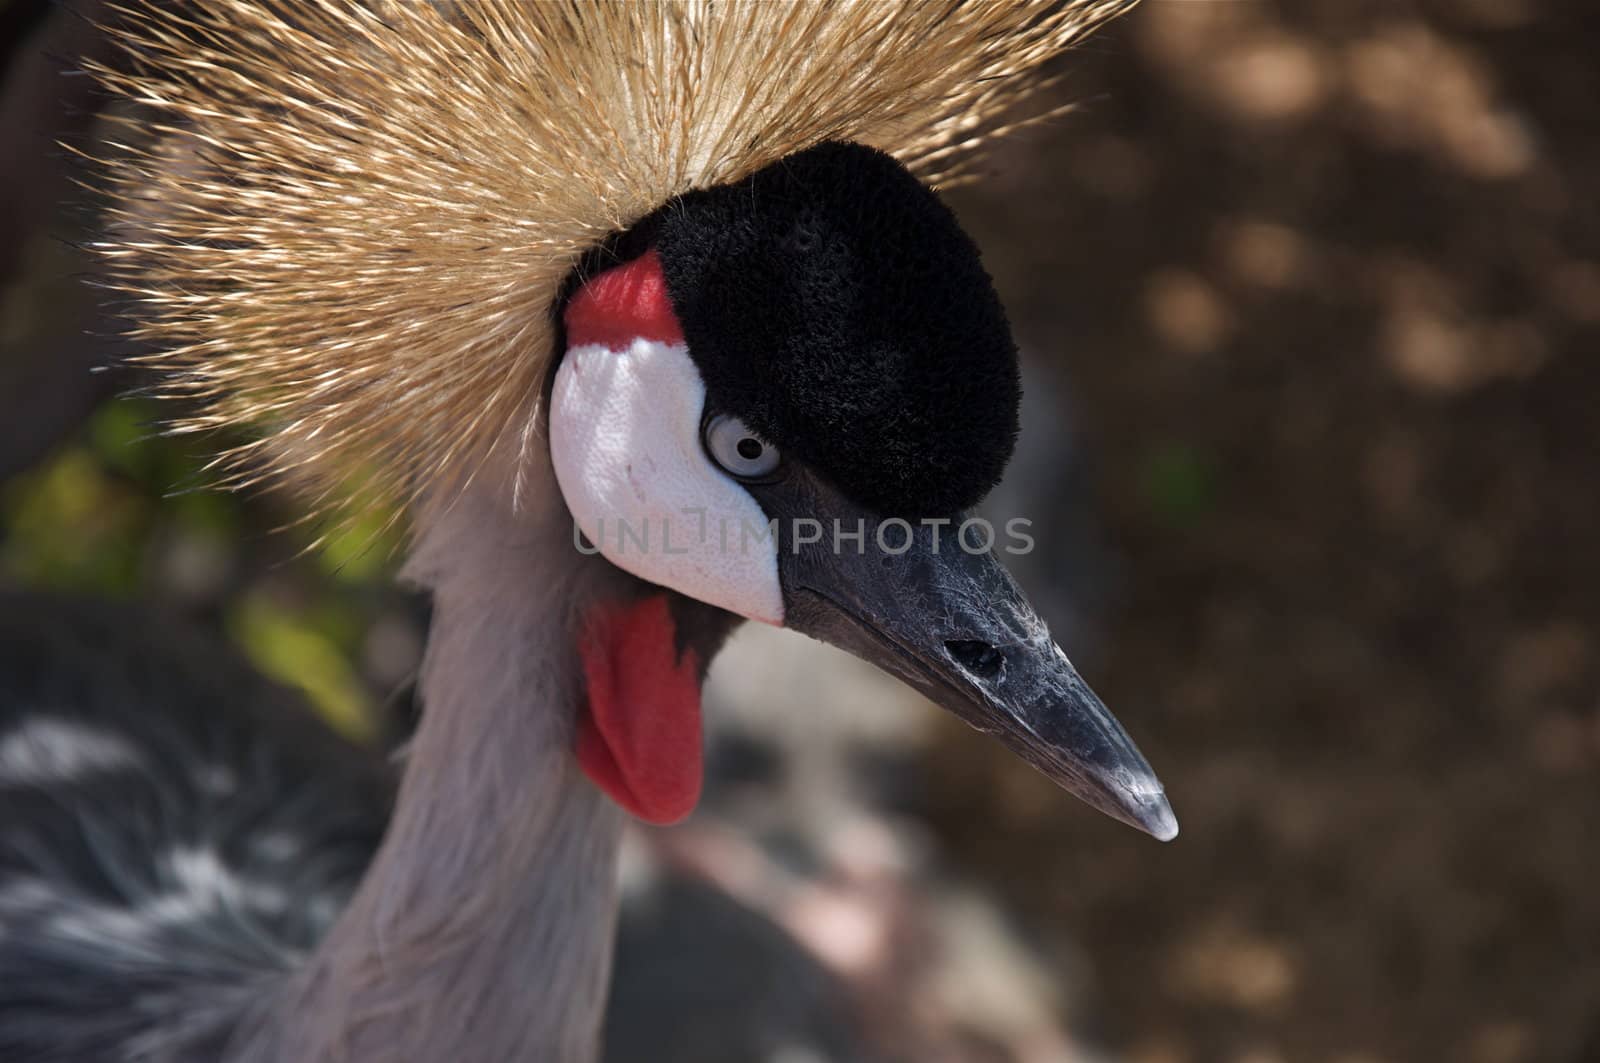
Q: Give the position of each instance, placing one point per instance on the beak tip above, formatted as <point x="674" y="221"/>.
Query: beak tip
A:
<point x="1153" y="815"/>
<point x="1166" y="830"/>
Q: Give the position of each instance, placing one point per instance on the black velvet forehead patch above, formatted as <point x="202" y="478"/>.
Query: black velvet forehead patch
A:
<point x="833" y="303"/>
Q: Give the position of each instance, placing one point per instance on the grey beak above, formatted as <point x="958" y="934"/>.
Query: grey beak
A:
<point x="954" y="625"/>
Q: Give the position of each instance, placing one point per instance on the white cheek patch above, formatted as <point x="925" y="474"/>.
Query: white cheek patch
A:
<point x="625" y="440"/>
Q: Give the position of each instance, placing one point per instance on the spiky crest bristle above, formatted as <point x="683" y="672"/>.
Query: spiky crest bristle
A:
<point x="343" y="224"/>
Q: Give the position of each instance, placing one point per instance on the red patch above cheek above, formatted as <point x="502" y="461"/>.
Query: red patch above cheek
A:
<point x="639" y="739"/>
<point x="623" y="304"/>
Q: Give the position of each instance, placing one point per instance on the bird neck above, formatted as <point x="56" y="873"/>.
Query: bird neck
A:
<point x="484" y="928"/>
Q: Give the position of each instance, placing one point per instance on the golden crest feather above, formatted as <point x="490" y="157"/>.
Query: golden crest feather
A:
<point x="344" y="223"/>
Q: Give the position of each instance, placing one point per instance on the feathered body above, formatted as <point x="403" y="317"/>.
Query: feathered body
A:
<point x="353" y="225"/>
<point x="176" y="835"/>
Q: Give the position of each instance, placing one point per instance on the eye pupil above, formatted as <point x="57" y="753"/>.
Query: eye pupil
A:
<point x="737" y="448"/>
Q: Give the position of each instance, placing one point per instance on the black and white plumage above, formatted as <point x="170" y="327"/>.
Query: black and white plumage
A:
<point x="174" y="831"/>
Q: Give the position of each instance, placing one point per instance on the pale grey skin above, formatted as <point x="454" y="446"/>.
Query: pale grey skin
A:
<point x="483" y="929"/>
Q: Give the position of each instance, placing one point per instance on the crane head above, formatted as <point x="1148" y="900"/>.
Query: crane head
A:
<point x="782" y="397"/>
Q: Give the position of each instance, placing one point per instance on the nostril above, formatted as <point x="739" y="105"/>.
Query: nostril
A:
<point x="979" y="658"/>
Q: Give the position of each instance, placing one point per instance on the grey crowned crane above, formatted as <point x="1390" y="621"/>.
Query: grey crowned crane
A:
<point x="646" y="316"/>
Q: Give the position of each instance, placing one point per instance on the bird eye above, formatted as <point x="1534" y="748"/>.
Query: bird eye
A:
<point x="734" y="446"/>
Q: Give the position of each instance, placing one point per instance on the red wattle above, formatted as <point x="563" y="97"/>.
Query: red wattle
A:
<point x="623" y="304"/>
<point x="639" y="739"/>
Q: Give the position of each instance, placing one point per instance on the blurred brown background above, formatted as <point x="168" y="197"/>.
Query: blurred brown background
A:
<point x="1315" y="284"/>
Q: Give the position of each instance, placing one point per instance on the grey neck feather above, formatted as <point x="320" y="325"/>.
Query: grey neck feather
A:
<point x="483" y="930"/>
